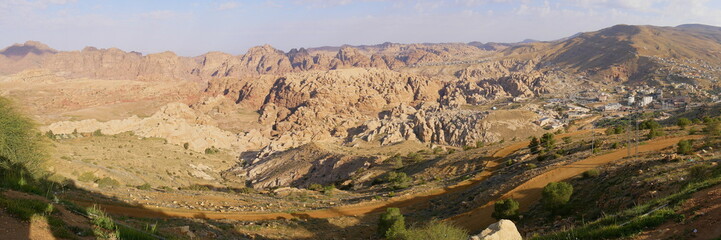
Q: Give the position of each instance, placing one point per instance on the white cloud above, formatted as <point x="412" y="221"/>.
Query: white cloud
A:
<point x="227" y="6"/>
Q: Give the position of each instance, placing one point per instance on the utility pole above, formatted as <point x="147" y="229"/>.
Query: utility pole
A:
<point x="628" y="136"/>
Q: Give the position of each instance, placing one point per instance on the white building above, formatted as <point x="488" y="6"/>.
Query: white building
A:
<point x="646" y="100"/>
<point x="631" y="100"/>
<point x="612" y="107"/>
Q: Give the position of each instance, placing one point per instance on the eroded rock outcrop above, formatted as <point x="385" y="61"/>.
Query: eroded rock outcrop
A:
<point x="302" y="166"/>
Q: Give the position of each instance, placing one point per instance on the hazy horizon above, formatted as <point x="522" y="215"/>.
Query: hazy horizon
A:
<point x="192" y="28"/>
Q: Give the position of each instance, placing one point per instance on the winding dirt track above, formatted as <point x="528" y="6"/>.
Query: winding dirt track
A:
<point x="347" y="210"/>
<point x="529" y="192"/>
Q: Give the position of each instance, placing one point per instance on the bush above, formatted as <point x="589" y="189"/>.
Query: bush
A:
<point x="654" y="132"/>
<point x="398" y="180"/>
<point x="683" y="122"/>
<point x="567" y="140"/>
<point x="436" y="231"/>
<point x="591" y="173"/>
<point x="212" y="150"/>
<point x="684" y="147"/>
<point x="327" y="190"/>
<point x="186" y="146"/>
<point x="107" y="182"/>
<point x="467" y="147"/>
<point x="531" y="166"/>
<point x="556" y="195"/>
<point x="391" y="224"/>
<point x="548" y="142"/>
<point x="650" y="124"/>
<point x="479" y="144"/>
<point x="713" y="128"/>
<point x="145" y="186"/>
<point x="87" y="177"/>
<point x="505" y="209"/>
<point x="20" y="143"/>
<point x="414" y="157"/>
<point x="533" y="146"/>
<point x="699" y="173"/>
<point x="315" y="187"/>
<point x="451" y="151"/>
<point x="97" y="133"/>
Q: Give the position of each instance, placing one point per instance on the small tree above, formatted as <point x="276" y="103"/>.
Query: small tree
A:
<point x="654" y="132"/>
<point x="505" y="209"/>
<point x="684" y="147"/>
<point x="534" y="145"/>
<point x="650" y="124"/>
<point x="556" y="195"/>
<point x="683" y="122"/>
<point x="713" y="128"/>
<point x="548" y="142"/>
<point x="391" y="224"/>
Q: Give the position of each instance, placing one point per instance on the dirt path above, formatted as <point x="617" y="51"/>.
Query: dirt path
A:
<point x="348" y="210"/>
<point x="529" y="192"/>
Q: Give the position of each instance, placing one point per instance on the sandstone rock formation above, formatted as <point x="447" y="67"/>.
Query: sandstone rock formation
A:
<point x="501" y="230"/>
<point x="176" y="123"/>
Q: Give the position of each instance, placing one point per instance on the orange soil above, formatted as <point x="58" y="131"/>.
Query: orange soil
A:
<point x="348" y="210"/>
<point x="528" y="193"/>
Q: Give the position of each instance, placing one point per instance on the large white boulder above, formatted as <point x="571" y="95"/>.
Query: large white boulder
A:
<point x="502" y="230"/>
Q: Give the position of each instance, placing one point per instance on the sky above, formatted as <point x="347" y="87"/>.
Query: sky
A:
<point x="194" y="27"/>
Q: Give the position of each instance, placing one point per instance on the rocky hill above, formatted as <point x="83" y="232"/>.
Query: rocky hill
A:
<point x="266" y="104"/>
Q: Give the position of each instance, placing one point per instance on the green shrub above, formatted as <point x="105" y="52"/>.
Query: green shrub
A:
<point x="186" y="146"/>
<point x="437" y="150"/>
<point x="479" y="144"/>
<point x="414" y="157"/>
<point x="397" y="180"/>
<point x="683" y="122"/>
<point x="591" y="173"/>
<point x="556" y="195"/>
<point x="505" y="209"/>
<point x="467" y="147"/>
<point x="436" y="231"/>
<point x="145" y="186"/>
<point x="212" y="150"/>
<point x="327" y="190"/>
<point x="531" y="166"/>
<point x="107" y="182"/>
<point x="100" y="219"/>
<point x="698" y="173"/>
<point x="655" y="132"/>
<point x="684" y="147"/>
<point x="451" y="151"/>
<point x="391" y="224"/>
<point x="713" y="128"/>
<point x="533" y="145"/>
<point x="87" y="177"/>
<point x="20" y="143"/>
<point x="649" y="124"/>
<point x="97" y="133"/>
<point x="548" y="142"/>
<point x="567" y="140"/>
<point x="315" y="187"/>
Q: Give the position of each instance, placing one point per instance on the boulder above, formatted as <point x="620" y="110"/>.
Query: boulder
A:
<point x="502" y="230"/>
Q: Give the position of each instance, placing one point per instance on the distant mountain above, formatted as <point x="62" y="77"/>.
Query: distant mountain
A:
<point x="18" y="51"/>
